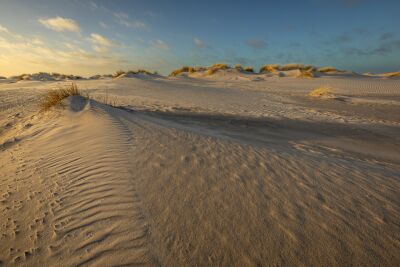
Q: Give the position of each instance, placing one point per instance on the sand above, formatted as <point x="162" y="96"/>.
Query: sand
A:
<point x="226" y="171"/>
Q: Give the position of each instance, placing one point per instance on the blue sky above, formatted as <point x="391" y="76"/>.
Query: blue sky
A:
<point x="88" y="37"/>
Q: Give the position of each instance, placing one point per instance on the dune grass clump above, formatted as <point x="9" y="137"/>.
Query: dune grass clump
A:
<point x="270" y="68"/>
<point x="322" y="92"/>
<point x="238" y="67"/>
<point x="211" y="71"/>
<point x="306" y="73"/>
<point x="216" y="67"/>
<point x="191" y="70"/>
<point x="220" y="66"/>
<point x="143" y="71"/>
<point x="179" y="71"/>
<point x="249" y="69"/>
<point x="293" y="66"/>
<point x="392" y="74"/>
<point x="55" y="97"/>
<point x="327" y="69"/>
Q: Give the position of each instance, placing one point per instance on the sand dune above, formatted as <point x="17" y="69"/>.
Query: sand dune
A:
<point x="196" y="172"/>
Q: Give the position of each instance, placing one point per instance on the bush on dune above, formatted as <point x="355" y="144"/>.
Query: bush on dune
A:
<point x="55" y="97"/>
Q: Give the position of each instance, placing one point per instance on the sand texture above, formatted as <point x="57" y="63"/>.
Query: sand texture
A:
<point x="244" y="170"/>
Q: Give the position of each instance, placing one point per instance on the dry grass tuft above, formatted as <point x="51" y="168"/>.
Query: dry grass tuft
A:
<point x="220" y="66"/>
<point x="179" y="71"/>
<point x="392" y="74"/>
<point x="211" y="71"/>
<point x="192" y="70"/>
<point x="306" y="73"/>
<point x="293" y="66"/>
<point x="132" y="72"/>
<point x="216" y="67"/>
<point x="322" y="92"/>
<point x="248" y="69"/>
<point x="270" y="68"/>
<point x="238" y="67"/>
<point x="55" y="97"/>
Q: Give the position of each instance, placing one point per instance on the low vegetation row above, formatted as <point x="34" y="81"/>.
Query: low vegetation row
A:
<point x="307" y="71"/>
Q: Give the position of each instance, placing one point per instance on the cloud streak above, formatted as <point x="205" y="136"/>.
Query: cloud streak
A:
<point x="160" y="44"/>
<point x="60" y="24"/>
<point x="4" y="29"/>
<point x="198" y="43"/>
<point x="126" y="21"/>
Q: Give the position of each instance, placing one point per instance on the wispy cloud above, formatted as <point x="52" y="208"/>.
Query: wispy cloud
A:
<point x="198" y="43"/>
<point x="256" y="43"/>
<point x="160" y="44"/>
<point x="100" y="40"/>
<point x="60" y="24"/>
<point x="4" y="29"/>
<point x="126" y="21"/>
<point x="100" y="43"/>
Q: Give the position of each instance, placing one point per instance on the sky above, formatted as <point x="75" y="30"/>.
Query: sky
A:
<point x="88" y="37"/>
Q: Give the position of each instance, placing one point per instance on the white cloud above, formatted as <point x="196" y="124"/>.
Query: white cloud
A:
<point x="199" y="43"/>
<point x="60" y="24"/>
<point x="100" y="43"/>
<point x="160" y="44"/>
<point x="100" y="49"/>
<point x="4" y="29"/>
<point x="100" y="40"/>
<point x="124" y="19"/>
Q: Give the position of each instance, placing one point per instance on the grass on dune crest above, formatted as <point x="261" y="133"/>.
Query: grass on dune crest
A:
<point x="139" y="71"/>
<point x="179" y="71"/>
<point x="248" y="69"/>
<point x="238" y="67"/>
<point x="210" y="70"/>
<point x="270" y="68"/>
<point x="55" y="97"/>
<point x="327" y="69"/>
<point x="392" y="74"/>
<point x="306" y="74"/>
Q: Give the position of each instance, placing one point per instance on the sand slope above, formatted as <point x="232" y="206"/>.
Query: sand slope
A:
<point x="179" y="177"/>
<point x="76" y="188"/>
